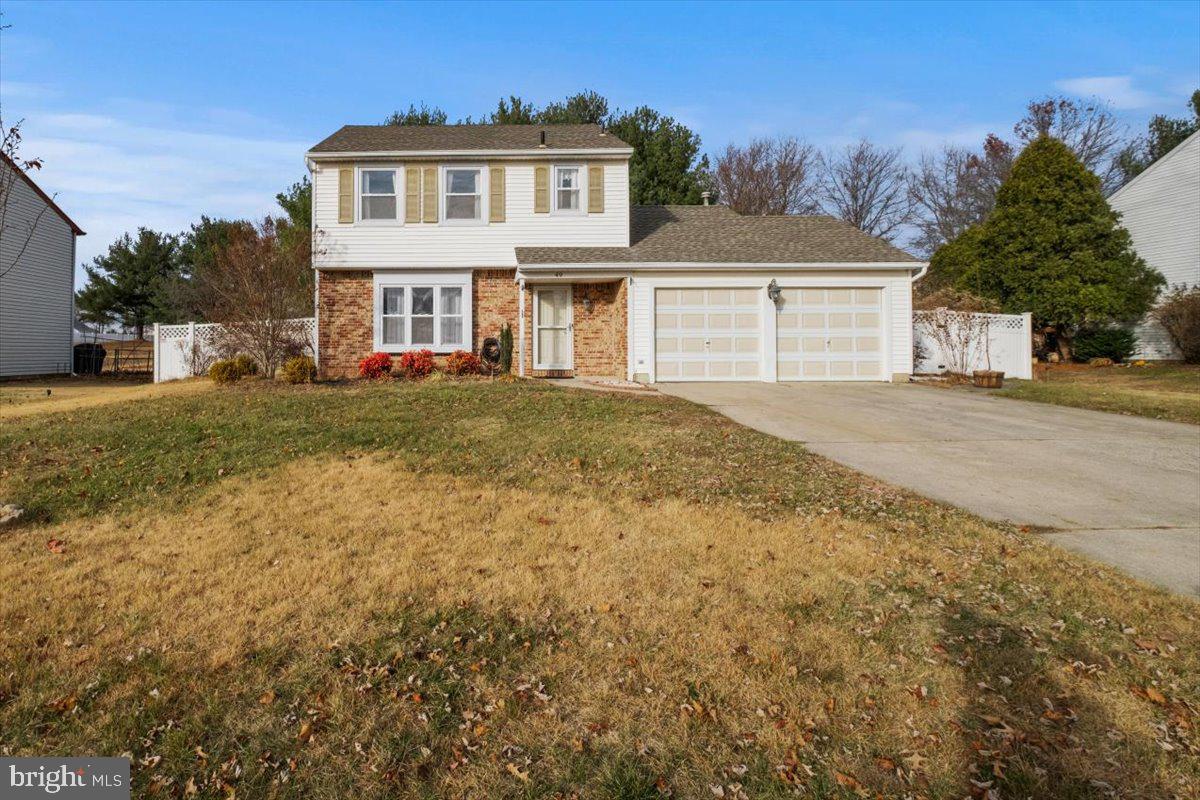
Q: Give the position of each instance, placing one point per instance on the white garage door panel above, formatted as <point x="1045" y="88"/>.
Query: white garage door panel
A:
<point x="830" y="334"/>
<point x="707" y="334"/>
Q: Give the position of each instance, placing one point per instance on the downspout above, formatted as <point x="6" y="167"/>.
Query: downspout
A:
<point x="920" y="273"/>
<point x="521" y="326"/>
<point x="71" y="321"/>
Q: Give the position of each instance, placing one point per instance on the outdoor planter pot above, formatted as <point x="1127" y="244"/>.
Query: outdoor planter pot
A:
<point x="987" y="378"/>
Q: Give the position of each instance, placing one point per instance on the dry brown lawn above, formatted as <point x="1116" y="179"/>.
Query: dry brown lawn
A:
<point x="59" y="395"/>
<point x="344" y="626"/>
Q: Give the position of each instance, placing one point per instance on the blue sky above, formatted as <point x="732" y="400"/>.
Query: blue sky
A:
<point x="154" y="113"/>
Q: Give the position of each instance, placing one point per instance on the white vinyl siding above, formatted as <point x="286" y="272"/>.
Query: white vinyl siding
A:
<point x="478" y="245"/>
<point x="37" y="295"/>
<point x="1161" y="210"/>
<point x="895" y="324"/>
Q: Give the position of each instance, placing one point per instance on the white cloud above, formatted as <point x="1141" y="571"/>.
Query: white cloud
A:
<point x="1117" y="90"/>
<point x="113" y="175"/>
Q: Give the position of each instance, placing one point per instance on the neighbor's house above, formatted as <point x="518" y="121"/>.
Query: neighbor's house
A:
<point x="1161" y="210"/>
<point x="435" y="237"/>
<point x="37" y="278"/>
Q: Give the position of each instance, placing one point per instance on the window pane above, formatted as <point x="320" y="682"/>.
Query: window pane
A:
<point x="379" y="181"/>
<point x="462" y="181"/>
<point x="393" y="330"/>
<point x="422" y="330"/>
<point x="451" y="330"/>
<point x="568" y="178"/>
<point x="568" y="199"/>
<point x="422" y="301"/>
<point x="462" y="207"/>
<point x="451" y="300"/>
<point x="393" y="300"/>
<point x="379" y="208"/>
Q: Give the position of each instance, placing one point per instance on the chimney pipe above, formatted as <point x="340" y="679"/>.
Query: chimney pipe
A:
<point x="704" y="197"/>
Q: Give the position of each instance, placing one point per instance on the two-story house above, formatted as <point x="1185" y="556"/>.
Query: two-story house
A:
<point x="435" y="237"/>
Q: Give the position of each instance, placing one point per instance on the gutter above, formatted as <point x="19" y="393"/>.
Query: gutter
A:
<point x="540" y="153"/>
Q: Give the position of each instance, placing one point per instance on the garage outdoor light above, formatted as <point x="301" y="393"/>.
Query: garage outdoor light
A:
<point x="773" y="291"/>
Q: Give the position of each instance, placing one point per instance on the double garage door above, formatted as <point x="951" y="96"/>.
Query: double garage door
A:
<point x="822" y="334"/>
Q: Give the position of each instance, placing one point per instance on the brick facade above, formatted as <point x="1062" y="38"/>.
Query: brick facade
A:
<point x="346" y="328"/>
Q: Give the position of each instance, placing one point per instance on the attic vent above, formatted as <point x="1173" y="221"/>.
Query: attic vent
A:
<point x="543" y="140"/>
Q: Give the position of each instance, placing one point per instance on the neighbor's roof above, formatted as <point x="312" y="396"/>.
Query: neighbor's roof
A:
<point x="718" y="234"/>
<point x="47" y="199"/>
<point x="438" y="138"/>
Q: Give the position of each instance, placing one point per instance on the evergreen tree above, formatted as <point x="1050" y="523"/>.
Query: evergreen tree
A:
<point x="425" y="115"/>
<point x="1053" y="247"/>
<point x="130" y="281"/>
<point x="664" y="168"/>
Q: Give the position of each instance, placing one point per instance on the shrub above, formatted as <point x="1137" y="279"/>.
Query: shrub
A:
<point x="1115" y="343"/>
<point x="1179" y="314"/>
<point x="376" y="365"/>
<point x="224" y="372"/>
<point x="506" y="349"/>
<point x="298" y="369"/>
<point x="460" y="362"/>
<point x="245" y="365"/>
<point x="416" y="363"/>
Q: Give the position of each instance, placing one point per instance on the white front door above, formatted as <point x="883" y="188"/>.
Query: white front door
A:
<point x="553" y="347"/>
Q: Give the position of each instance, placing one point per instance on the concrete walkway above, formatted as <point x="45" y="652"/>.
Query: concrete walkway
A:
<point x="1125" y="490"/>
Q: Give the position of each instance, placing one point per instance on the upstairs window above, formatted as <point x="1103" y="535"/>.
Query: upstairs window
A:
<point x="464" y="194"/>
<point x="568" y="190"/>
<point x="377" y="194"/>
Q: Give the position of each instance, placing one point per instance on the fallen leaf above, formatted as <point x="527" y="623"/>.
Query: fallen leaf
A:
<point x="516" y="771"/>
<point x="267" y="697"/>
<point x="306" y="731"/>
<point x="1155" y="696"/>
<point x="849" y="781"/>
<point x="56" y="545"/>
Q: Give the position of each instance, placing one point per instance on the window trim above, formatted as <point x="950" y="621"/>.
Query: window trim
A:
<point x="581" y="211"/>
<point x="398" y="185"/>
<point x="438" y="281"/>
<point x="444" y="195"/>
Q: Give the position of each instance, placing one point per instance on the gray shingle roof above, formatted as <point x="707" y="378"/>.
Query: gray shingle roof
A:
<point x="406" y="138"/>
<point x="717" y="234"/>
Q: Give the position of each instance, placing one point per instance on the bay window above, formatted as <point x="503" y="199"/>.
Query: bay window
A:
<point x="416" y="312"/>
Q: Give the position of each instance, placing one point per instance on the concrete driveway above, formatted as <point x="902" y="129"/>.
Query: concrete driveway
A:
<point x="1125" y="490"/>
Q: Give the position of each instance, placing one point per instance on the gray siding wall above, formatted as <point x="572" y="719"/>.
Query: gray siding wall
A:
<point x="1161" y="210"/>
<point x="37" y="294"/>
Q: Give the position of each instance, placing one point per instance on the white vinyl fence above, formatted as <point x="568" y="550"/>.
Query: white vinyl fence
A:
<point x="1010" y="344"/>
<point x="186" y="351"/>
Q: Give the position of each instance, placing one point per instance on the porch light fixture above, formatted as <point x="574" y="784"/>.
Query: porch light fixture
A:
<point x="587" y="303"/>
<point x="773" y="291"/>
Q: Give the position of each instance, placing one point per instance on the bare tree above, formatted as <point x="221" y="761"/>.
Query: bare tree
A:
<point x="257" y="288"/>
<point x="1087" y="127"/>
<point x="769" y="176"/>
<point x="955" y="188"/>
<point x="17" y="226"/>
<point x="867" y="186"/>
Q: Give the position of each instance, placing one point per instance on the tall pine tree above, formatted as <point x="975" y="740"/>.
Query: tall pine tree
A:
<point x="1054" y="247"/>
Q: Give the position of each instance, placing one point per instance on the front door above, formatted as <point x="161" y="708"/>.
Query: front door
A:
<point x="552" y="328"/>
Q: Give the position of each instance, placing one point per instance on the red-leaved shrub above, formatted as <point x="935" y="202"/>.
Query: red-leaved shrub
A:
<point x="416" y="363"/>
<point x="376" y="365"/>
<point x="460" y="362"/>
